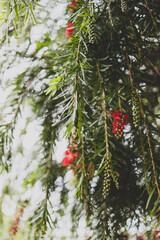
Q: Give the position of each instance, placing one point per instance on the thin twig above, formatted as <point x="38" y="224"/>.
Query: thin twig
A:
<point x="146" y="3"/>
<point x="119" y="99"/>
<point x="154" y="67"/>
<point x="109" y="12"/>
<point x="129" y="68"/>
<point x="20" y="100"/>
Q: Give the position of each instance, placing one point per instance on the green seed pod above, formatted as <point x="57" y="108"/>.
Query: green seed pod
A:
<point x="115" y="176"/>
<point x="91" y="32"/>
<point x="107" y="178"/>
<point x="124" y="5"/>
<point x="85" y="50"/>
<point x="135" y="109"/>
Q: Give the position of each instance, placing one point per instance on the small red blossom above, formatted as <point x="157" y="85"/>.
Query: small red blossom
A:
<point x="114" y="130"/>
<point x="115" y="125"/>
<point x="66" y="161"/>
<point x="69" y="30"/>
<point x="69" y="158"/>
<point x="67" y="152"/>
<point x="70" y="147"/>
<point x="73" y="4"/>
<point x="74" y="155"/>
<point x="13" y="228"/>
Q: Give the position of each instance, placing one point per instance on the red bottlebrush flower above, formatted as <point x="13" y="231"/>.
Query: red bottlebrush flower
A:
<point x="66" y="161"/>
<point x="120" y="120"/>
<point x="69" y="30"/>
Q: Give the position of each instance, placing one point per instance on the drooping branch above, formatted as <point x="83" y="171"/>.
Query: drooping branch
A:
<point x="47" y="187"/>
<point x="107" y="169"/>
<point x="150" y="148"/>
<point x="103" y="103"/>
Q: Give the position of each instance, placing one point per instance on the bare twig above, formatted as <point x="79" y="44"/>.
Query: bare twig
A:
<point x="109" y="12"/>
<point x="155" y="68"/>
<point x="146" y="3"/>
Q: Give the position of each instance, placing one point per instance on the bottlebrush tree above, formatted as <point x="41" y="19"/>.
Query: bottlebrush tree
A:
<point x="105" y="93"/>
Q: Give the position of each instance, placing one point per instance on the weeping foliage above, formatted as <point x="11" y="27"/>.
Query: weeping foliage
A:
<point x="110" y="62"/>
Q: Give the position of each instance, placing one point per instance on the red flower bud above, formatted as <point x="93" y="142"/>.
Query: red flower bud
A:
<point x="74" y="155"/>
<point x="114" y="130"/>
<point x="67" y="152"/>
<point x="66" y="161"/>
<point x="115" y="125"/>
